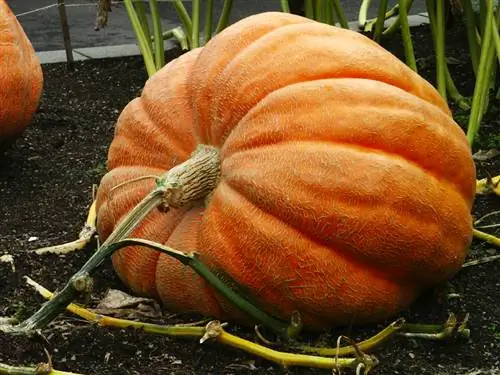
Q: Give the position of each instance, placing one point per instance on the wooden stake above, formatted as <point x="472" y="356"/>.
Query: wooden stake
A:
<point x="65" y="32"/>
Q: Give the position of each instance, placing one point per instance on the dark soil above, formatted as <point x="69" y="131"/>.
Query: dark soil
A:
<point x="46" y="183"/>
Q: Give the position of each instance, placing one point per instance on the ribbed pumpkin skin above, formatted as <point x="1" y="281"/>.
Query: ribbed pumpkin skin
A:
<point x="346" y="186"/>
<point x="21" y="78"/>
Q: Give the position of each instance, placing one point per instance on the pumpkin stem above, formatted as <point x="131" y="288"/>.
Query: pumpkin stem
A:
<point x="192" y="180"/>
<point x="189" y="181"/>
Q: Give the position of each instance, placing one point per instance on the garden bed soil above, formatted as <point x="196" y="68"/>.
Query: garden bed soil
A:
<point x="46" y="183"/>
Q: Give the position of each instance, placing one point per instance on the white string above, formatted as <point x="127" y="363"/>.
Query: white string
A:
<point x="72" y="5"/>
<point x="36" y="10"/>
<point x="54" y="5"/>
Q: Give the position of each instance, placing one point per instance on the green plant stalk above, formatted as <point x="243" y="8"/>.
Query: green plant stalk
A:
<point x="309" y="9"/>
<point x="450" y="84"/>
<point x="396" y="24"/>
<point x="482" y="16"/>
<point x="285" y="7"/>
<point x="195" y="19"/>
<point x="436" y="18"/>
<point x="366" y="346"/>
<point x="391" y="12"/>
<point x="440" y="48"/>
<point x="143" y="40"/>
<point x="319" y="10"/>
<point x="209" y="11"/>
<point x="379" y="25"/>
<point x="485" y="69"/>
<point x="496" y="39"/>
<point x="329" y="13"/>
<point x="406" y="35"/>
<point x="472" y="35"/>
<point x="340" y="14"/>
<point x="141" y="13"/>
<point x="224" y="17"/>
<point x="194" y="263"/>
<point x="363" y="12"/>
<point x="455" y="95"/>
<point x="179" y="35"/>
<point x="185" y="19"/>
<point x="158" y="35"/>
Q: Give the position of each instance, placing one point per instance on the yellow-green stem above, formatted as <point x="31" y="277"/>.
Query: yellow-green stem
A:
<point x="141" y="13"/>
<point x="224" y="17"/>
<point x="285" y="7"/>
<point x="472" y="33"/>
<point x="391" y="30"/>
<point x="406" y="35"/>
<point x="484" y="74"/>
<point x="195" y="19"/>
<point x="329" y="12"/>
<point x="158" y="35"/>
<point x="319" y="10"/>
<point x="142" y="38"/>
<point x="179" y="35"/>
<point x="440" y="49"/>
<point x="455" y="95"/>
<point x="496" y="39"/>
<point x="38" y="370"/>
<point x="339" y="11"/>
<point x="379" y="25"/>
<point x="486" y="237"/>
<point x="366" y="346"/>
<point x="363" y="12"/>
<point x="185" y="19"/>
<point x="223" y="337"/>
<point x="309" y="9"/>
<point x="209" y="11"/>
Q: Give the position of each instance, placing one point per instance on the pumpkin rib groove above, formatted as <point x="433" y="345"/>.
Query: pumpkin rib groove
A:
<point x="450" y="185"/>
<point x="270" y="77"/>
<point x="345" y="254"/>
<point x="266" y="279"/>
<point x="412" y="219"/>
<point x="326" y="78"/>
<point x="152" y="150"/>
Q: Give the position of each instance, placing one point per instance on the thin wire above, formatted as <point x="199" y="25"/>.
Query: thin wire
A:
<point x="36" y="10"/>
<point x="73" y="5"/>
<point x="54" y="5"/>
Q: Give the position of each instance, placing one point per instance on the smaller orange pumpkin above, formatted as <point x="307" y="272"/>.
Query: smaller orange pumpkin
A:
<point x="21" y="78"/>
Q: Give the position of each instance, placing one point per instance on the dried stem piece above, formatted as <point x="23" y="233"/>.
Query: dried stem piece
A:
<point x="84" y="238"/>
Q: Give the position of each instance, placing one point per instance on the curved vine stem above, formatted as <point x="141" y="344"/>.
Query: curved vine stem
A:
<point x="214" y="331"/>
<point x="285" y="7"/>
<point x="380" y="21"/>
<point x="181" y="185"/>
<point x="406" y="34"/>
<point x="363" y="12"/>
<point x="191" y="259"/>
<point x="485" y="70"/>
<point x="224" y="17"/>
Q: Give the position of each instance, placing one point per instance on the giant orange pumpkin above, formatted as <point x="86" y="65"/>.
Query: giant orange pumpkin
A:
<point x="345" y="186"/>
<point x="21" y="78"/>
